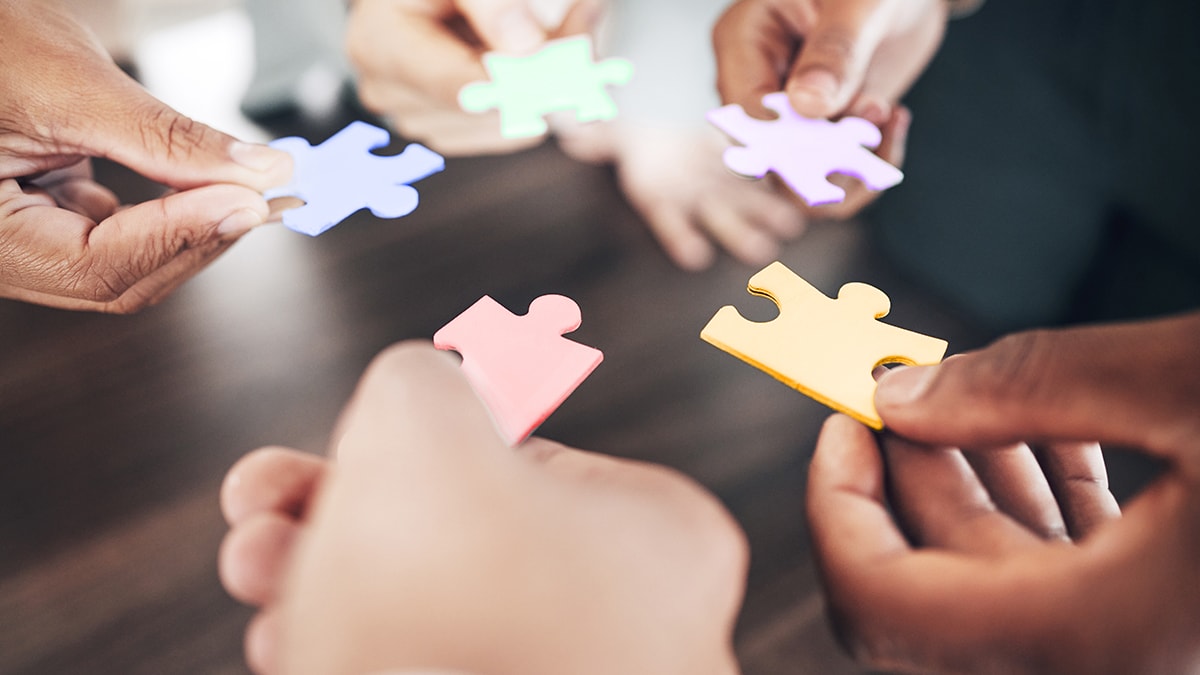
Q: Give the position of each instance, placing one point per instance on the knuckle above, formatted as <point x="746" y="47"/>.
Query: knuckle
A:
<point x="833" y="47"/>
<point x="180" y="136"/>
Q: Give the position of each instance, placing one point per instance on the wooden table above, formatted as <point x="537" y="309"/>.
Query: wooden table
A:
<point x="115" y="431"/>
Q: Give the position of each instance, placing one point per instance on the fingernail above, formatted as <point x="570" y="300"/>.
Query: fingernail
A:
<point x="902" y="386"/>
<point x="260" y="158"/>
<point x="814" y="89"/>
<point x="517" y="31"/>
<point x="239" y="222"/>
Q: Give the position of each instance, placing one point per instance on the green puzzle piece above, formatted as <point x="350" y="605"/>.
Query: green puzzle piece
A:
<point x="560" y="77"/>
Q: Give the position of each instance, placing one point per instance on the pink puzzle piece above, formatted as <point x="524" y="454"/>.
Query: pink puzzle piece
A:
<point x="803" y="151"/>
<point x="521" y="366"/>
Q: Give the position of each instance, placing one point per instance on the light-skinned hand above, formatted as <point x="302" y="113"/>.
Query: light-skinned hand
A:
<point x="854" y="57"/>
<point x="65" y="240"/>
<point x="428" y="543"/>
<point x="412" y="57"/>
<point x="695" y="207"/>
<point x="692" y="204"/>
<point x="1010" y="555"/>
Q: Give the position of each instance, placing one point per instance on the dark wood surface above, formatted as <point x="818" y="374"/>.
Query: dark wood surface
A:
<point x="115" y="431"/>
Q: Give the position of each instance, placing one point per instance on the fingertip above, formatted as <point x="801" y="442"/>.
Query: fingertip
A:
<point x="899" y="388"/>
<point x="253" y="555"/>
<point x="410" y="358"/>
<point x="693" y="254"/>
<point x="813" y="92"/>
<point x="676" y="232"/>
<point x="840" y="434"/>
<point x="262" y="642"/>
<point x="270" y="479"/>
<point x="756" y="248"/>
<point x="273" y="167"/>
<point x="414" y="400"/>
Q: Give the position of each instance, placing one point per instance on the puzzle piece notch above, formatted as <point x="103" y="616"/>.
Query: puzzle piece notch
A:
<point x="342" y="175"/>
<point x="803" y="152"/>
<point x="825" y="348"/>
<point x="559" y="77"/>
<point x="520" y="366"/>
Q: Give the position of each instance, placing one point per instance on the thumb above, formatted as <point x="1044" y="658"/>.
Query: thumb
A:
<point x="139" y="131"/>
<point x="833" y="59"/>
<point x="505" y="25"/>
<point x="1135" y="385"/>
<point x="414" y="410"/>
<point x="140" y="254"/>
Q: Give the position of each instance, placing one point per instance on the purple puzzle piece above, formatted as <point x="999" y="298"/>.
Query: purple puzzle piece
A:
<point x="341" y="176"/>
<point x="803" y="151"/>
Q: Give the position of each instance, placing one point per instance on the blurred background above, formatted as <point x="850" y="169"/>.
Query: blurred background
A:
<point x="115" y="432"/>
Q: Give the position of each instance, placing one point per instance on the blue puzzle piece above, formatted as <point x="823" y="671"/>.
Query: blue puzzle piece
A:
<point x="341" y="176"/>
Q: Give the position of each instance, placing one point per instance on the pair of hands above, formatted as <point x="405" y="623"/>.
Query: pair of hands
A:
<point x="1002" y="550"/>
<point x="65" y="240"/>
<point x="430" y="544"/>
<point x="834" y="58"/>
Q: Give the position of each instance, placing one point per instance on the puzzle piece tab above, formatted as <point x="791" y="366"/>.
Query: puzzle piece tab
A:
<point x="341" y="176"/>
<point x="824" y="347"/>
<point x="561" y="76"/>
<point x="803" y="151"/>
<point x="521" y="366"/>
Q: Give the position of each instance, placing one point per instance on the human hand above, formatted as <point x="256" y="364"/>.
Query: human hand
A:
<point x="413" y="57"/>
<point x="429" y="543"/>
<point x="1006" y="559"/>
<point x="675" y="180"/>
<point x="64" y="240"/>
<point x="854" y="57"/>
<point x="694" y="206"/>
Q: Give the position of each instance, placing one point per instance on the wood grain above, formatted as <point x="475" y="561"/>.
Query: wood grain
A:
<point x="115" y="431"/>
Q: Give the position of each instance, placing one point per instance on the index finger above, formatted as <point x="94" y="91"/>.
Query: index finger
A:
<point x="1133" y="384"/>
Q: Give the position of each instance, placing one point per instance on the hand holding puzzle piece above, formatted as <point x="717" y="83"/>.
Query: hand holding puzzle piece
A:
<point x="826" y="348"/>
<point x="521" y="366"/>
<point x="559" y="77"/>
<point x="803" y="151"/>
<point x="342" y="175"/>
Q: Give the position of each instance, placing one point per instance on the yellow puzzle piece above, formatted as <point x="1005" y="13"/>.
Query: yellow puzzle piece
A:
<point x="825" y="348"/>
